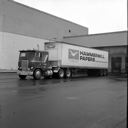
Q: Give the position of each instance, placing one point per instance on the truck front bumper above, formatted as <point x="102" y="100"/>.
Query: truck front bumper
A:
<point x="26" y="73"/>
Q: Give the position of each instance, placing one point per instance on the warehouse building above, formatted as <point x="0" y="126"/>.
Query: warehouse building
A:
<point x="115" y="43"/>
<point x="23" y="27"/>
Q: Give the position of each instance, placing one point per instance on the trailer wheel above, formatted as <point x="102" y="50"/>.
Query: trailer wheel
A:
<point x="22" y="77"/>
<point x="61" y="73"/>
<point x="68" y="73"/>
<point x="37" y="74"/>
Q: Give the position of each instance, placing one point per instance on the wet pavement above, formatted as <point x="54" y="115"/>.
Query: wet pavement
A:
<point x="89" y="102"/>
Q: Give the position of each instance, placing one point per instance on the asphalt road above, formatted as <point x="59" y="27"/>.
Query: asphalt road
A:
<point x="95" y="102"/>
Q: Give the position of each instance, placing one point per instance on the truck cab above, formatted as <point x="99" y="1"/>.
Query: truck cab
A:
<point x="33" y="63"/>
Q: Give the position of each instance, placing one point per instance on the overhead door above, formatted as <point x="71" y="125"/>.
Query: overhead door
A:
<point x="116" y="64"/>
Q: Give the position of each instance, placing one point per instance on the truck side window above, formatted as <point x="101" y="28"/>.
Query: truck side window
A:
<point x="46" y="58"/>
<point x="37" y="56"/>
<point x="40" y="57"/>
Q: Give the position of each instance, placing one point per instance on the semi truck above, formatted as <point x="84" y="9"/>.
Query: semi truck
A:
<point x="62" y="60"/>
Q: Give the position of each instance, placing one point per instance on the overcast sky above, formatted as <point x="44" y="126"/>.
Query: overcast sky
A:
<point x="98" y="15"/>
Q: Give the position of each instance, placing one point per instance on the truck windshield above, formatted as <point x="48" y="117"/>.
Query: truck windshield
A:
<point x="33" y="55"/>
<point x="27" y="55"/>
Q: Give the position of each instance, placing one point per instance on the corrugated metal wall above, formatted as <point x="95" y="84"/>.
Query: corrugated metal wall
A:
<point x="96" y="40"/>
<point x="20" y="19"/>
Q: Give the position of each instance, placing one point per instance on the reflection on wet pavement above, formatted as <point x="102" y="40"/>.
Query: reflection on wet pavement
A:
<point x="88" y="102"/>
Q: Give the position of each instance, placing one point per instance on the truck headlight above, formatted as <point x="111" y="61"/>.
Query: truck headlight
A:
<point x="31" y="68"/>
<point x="19" y="68"/>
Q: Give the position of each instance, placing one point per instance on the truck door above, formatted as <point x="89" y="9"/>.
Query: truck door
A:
<point x="44" y="57"/>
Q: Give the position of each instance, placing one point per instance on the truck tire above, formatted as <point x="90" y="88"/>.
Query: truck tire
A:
<point x="37" y="74"/>
<point x="61" y="73"/>
<point x="22" y="77"/>
<point x="68" y="73"/>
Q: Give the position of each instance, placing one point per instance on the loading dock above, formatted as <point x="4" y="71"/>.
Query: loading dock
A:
<point x="115" y="43"/>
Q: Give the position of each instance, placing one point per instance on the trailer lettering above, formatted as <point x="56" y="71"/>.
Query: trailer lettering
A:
<point x="87" y="58"/>
<point x="91" y="54"/>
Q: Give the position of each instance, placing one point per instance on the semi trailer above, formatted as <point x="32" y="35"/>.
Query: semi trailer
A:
<point x="61" y="59"/>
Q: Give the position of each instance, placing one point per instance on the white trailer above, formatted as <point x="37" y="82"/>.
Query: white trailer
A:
<point x="69" y="58"/>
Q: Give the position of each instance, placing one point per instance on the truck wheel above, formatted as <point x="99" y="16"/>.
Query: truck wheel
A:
<point x="61" y="73"/>
<point x="22" y="77"/>
<point x="37" y="74"/>
<point x="68" y="73"/>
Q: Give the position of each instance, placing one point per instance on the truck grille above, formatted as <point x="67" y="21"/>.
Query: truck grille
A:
<point x="24" y="65"/>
